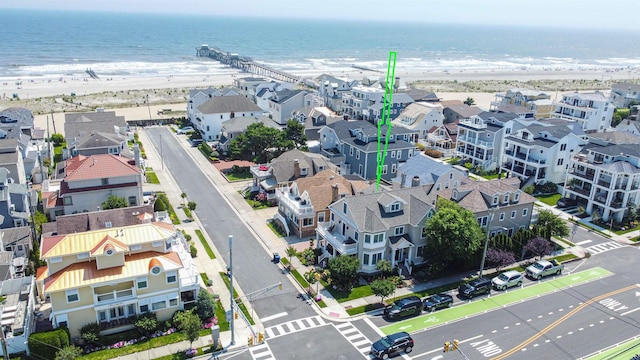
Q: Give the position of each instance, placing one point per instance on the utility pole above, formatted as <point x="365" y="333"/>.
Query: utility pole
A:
<point x="231" y="327"/>
<point x="53" y="121"/>
<point x="161" y="158"/>
<point x="149" y="107"/>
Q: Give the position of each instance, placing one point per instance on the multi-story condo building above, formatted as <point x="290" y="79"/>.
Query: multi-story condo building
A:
<point x="540" y="151"/>
<point x="593" y="110"/>
<point x="604" y="178"/>
<point x="355" y="147"/>
<point x="537" y="101"/>
<point x="356" y="104"/>
<point x="109" y="276"/>
<point x="480" y="138"/>
<point x="399" y="102"/>
<point x="380" y="226"/>
<point x="623" y="94"/>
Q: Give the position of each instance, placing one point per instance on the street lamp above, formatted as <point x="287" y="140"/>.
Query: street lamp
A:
<point x="231" y="327"/>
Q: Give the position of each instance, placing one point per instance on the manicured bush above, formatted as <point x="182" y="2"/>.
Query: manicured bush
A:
<point x="433" y="153"/>
<point x="43" y="345"/>
<point x="193" y="250"/>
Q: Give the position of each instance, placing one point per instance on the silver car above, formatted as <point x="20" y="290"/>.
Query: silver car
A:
<point x="507" y="279"/>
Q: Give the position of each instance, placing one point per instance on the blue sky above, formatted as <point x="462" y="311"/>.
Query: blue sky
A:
<point x="593" y="14"/>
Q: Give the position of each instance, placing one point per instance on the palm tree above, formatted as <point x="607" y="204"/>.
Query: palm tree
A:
<point x="470" y="101"/>
<point x="291" y="252"/>
<point x="310" y="278"/>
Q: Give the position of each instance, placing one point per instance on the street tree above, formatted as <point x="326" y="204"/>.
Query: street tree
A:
<point x="499" y="258"/>
<point x="383" y="288"/>
<point x="539" y="247"/>
<point x="70" y="352"/>
<point x="343" y="270"/>
<point x="259" y="143"/>
<point x="205" y="306"/>
<point x="295" y="133"/>
<point x="310" y="277"/>
<point x="114" y="202"/>
<point x="190" y="323"/>
<point x="549" y="225"/>
<point x="291" y="252"/>
<point x="453" y="233"/>
<point x="57" y="139"/>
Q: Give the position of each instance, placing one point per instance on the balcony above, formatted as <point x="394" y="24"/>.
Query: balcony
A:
<point x="588" y="175"/>
<point x="114" y="296"/>
<point x="617" y="204"/>
<point x="299" y="206"/>
<point x="603" y="183"/>
<point x="345" y="245"/>
<point x="473" y="123"/>
<point x="579" y="190"/>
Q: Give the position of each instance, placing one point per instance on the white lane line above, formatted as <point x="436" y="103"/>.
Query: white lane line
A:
<point x="274" y="316"/>
<point x="630" y="311"/>
<point x="584" y="242"/>
<point x="440" y="348"/>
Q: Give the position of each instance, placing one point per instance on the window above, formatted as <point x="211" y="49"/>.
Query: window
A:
<point x="136" y="247"/>
<point x="501" y="216"/>
<point x="399" y="154"/>
<point x="365" y="259"/>
<point x="384" y="169"/>
<point x="107" y="224"/>
<point x="516" y="196"/>
<point x="395" y="207"/>
<point x="307" y="222"/>
<point x="158" y="305"/>
<point x="172" y="277"/>
<point x="424" y="232"/>
<point x="420" y="251"/>
<point x="173" y="301"/>
<point x="321" y="217"/>
<point x="357" y="154"/>
<point x="376" y="257"/>
<point x="156" y="243"/>
<point x="450" y="176"/>
<point x="142" y="283"/>
<point x="156" y="270"/>
<point x="563" y="147"/>
<point x="144" y="308"/>
<point x="495" y="200"/>
<point x="560" y="162"/>
<point x="513" y="214"/>
<point x="350" y="151"/>
<point x="56" y="259"/>
<point x="399" y="230"/>
<point x="67" y="200"/>
<point x="393" y="154"/>
<point x="102" y="315"/>
<point x="524" y="212"/>
<point x="84" y="255"/>
<point x="393" y="168"/>
<point x="62" y="320"/>
<point x="344" y="208"/>
<point x="133" y="201"/>
<point x="72" y="295"/>
<point x="506" y="198"/>
<point x="104" y="181"/>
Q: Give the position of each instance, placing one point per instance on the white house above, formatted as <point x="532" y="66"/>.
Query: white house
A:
<point x="210" y="115"/>
<point x="198" y="97"/>
<point x="421" y="117"/>
<point x="592" y="110"/>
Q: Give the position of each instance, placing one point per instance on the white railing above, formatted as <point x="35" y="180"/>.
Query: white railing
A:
<point x="114" y="295"/>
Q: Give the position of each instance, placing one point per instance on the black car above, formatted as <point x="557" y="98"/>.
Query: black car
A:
<point x="566" y="202"/>
<point x="438" y="301"/>
<point x="392" y="344"/>
<point x="474" y="288"/>
<point x="408" y="306"/>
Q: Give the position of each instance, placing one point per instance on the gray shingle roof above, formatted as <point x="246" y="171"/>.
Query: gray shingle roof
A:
<point x="99" y="140"/>
<point x="228" y="104"/>
<point x="283" y="165"/>
<point x="82" y="124"/>
<point x="426" y="168"/>
<point x="239" y="124"/>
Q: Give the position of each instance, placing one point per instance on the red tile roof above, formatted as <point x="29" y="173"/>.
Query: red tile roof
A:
<point x="98" y="166"/>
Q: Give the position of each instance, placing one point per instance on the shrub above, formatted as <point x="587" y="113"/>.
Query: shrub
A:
<point x="191" y="205"/>
<point x="308" y="257"/>
<point x="159" y="205"/>
<point x="193" y="250"/>
<point x="90" y="333"/>
<point x="433" y="153"/>
<point x="43" y="345"/>
<point x="147" y="323"/>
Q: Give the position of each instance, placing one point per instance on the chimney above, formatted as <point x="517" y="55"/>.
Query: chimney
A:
<point x="334" y="192"/>
<point x="296" y="169"/>
<point x="396" y="83"/>
<point x="415" y="181"/>
<point x="403" y="178"/>
<point x="136" y="154"/>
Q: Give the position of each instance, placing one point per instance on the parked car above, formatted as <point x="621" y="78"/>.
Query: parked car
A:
<point x="474" y="288"/>
<point x="408" y="306"/>
<point x="542" y="268"/>
<point x="196" y="142"/>
<point x="437" y="301"/>
<point x="392" y="344"/>
<point x="185" y="130"/>
<point x="567" y="202"/>
<point x="507" y="279"/>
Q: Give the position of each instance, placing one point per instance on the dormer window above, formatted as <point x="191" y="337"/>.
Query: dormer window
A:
<point x="506" y="197"/>
<point x="395" y="207"/>
<point x="454" y="194"/>
<point x="344" y="208"/>
<point x="495" y="200"/>
<point x="516" y="196"/>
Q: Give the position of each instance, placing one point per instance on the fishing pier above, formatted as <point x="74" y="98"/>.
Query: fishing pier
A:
<point x="244" y="63"/>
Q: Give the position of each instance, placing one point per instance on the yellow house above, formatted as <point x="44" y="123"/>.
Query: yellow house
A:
<point x="110" y="276"/>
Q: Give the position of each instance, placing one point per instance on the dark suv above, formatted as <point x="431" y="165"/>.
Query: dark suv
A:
<point x="408" y="306"/>
<point x="392" y="344"/>
<point x="475" y="287"/>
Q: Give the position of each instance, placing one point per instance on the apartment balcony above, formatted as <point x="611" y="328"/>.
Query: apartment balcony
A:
<point x="302" y="208"/>
<point x="603" y="183"/>
<point x="473" y="123"/>
<point x="345" y="245"/>
<point x="578" y="190"/>
<point x="617" y="204"/>
<point x="113" y="296"/>
<point x="587" y="175"/>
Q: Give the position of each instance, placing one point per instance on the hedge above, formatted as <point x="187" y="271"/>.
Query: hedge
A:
<point x="45" y="345"/>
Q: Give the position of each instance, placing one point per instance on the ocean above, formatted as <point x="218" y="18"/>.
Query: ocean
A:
<point x="55" y="44"/>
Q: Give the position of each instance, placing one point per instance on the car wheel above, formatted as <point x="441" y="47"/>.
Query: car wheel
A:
<point x="449" y="304"/>
<point x="558" y="272"/>
<point x="408" y="349"/>
<point x="503" y="288"/>
<point x="538" y="277"/>
<point x="519" y="283"/>
<point x="385" y="356"/>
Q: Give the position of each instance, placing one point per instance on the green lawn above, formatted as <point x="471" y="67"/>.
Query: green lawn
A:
<point x="550" y="200"/>
<point x="152" y="178"/>
<point x="205" y="244"/>
<point x="355" y="293"/>
<point x="242" y="307"/>
<point x="238" y="176"/>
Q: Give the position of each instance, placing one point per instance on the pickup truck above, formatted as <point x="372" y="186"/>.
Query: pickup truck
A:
<point x="542" y="268"/>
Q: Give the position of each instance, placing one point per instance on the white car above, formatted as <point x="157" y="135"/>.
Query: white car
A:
<point x="507" y="279"/>
<point x="185" y="130"/>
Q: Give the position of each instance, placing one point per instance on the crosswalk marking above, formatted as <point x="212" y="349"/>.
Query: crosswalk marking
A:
<point x="584" y="242"/>
<point x="293" y="326"/>
<point x="600" y="248"/>
<point x="261" y="352"/>
<point x="355" y="337"/>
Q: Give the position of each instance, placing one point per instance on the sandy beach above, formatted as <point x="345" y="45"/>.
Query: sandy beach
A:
<point x="128" y="96"/>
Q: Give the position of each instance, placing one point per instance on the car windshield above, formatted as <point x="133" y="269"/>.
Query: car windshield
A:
<point x="503" y="277"/>
<point x="538" y="266"/>
<point x="436" y="298"/>
<point x="395" y="307"/>
<point x="386" y="342"/>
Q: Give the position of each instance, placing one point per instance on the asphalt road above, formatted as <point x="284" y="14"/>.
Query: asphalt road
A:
<point x="252" y="268"/>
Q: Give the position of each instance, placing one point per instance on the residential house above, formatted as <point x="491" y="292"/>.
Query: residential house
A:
<point x="14" y="202"/>
<point x="198" y="97"/>
<point x="284" y="102"/>
<point x="443" y="138"/>
<point x="623" y="94"/>
<point x="604" y="177"/>
<point x="77" y="125"/>
<point x="356" y="104"/>
<point x="386" y="225"/>
<point x="18" y="313"/>
<point x="540" y="151"/>
<point x="454" y="110"/>
<point x="420" y="117"/>
<point x="85" y="182"/>
<point x="419" y="95"/>
<point x="355" y="145"/>
<point x="246" y="85"/>
<point x="499" y="205"/>
<point x="480" y="138"/>
<point x="314" y="118"/>
<point x="12" y="160"/>
<point x="16" y="244"/>
<point x="399" y="102"/>
<point x="210" y="115"/>
<point x="332" y="89"/>
<point x="304" y="204"/>
<point x="592" y="110"/>
<point x="233" y="127"/>
<point x="286" y="168"/>
<point x="629" y="126"/>
<point x="422" y="170"/>
<point x="15" y="121"/>
<point x="99" y="143"/>
<point x="102" y="219"/>
<point x="110" y="276"/>
<point x="526" y="102"/>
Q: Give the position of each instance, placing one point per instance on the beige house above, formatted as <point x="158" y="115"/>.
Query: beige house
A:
<point x="111" y="275"/>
